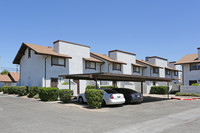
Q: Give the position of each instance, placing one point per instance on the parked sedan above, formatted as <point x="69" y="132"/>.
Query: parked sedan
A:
<point x="130" y="95"/>
<point x="111" y="97"/>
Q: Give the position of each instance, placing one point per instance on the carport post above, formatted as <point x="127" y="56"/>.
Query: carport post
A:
<point x="168" y="90"/>
<point x="69" y="85"/>
<point x="96" y="83"/>
<point x="142" y="88"/>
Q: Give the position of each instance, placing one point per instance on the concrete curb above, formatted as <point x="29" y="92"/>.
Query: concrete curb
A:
<point x="186" y="99"/>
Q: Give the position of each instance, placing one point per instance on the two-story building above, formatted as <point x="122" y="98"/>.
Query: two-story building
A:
<point x="190" y="68"/>
<point x="41" y="66"/>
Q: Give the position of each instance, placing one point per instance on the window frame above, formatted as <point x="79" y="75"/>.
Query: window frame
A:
<point x="197" y="65"/>
<point x="166" y="72"/>
<point x="52" y="64"/>
<point x="134" y="69"/>
<point x="95" y="64"/>
<point x="154" y="68"/>
<point x="115" y="68"/>
<point x="175" y="73"/>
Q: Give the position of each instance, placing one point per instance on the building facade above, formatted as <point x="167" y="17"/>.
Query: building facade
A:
<point x="41" y="66"/>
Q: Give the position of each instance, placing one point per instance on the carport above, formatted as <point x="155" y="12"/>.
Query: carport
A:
<point x="115" y="77"/>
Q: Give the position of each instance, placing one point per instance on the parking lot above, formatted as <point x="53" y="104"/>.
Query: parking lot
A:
<point x="23" y="115"/>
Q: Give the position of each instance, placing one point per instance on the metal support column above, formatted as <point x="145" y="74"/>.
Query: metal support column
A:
<point x="69" y="85"/>
<point x="142" y="88"/>
<point x="96" y="83"/>
<point x="168" y="90"/>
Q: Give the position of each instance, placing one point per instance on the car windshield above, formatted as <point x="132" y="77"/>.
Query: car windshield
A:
<point x="110" y="91"/>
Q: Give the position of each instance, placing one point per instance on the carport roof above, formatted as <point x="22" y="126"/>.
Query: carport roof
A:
<point x="114" y="77"/>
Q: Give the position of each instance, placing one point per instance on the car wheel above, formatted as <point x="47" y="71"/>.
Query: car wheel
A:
<point x="80" y="100"/>
<point x="103" y="103"/>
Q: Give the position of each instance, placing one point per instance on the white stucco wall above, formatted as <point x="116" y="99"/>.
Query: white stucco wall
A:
<point x="190" y="75"/>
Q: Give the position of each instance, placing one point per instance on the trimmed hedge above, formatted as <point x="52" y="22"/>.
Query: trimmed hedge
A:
<point x="33" y="91"/>
<point x="65" y="95"/>
<point x="48" y="94"/>
<point x="109" y="87"/>
<point x="21" y="90"/>
<point x="195" y="84"/>
<point x="91" y="87"/>
<point x="159" y="90"/>
<point x="0" y="89"/>
<point x="94" y="97"/>
<point x="174" y="92"/>
<point x="5" y="89"/>
<point x="188" y="94"/>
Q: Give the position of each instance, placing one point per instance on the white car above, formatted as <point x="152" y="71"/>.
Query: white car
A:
<point x="110" y="97"/>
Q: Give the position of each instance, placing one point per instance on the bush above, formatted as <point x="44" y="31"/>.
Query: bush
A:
<point x="195" y="84"/>
<point x="109" y="87"/>
<point x="91" y="87"/>
<point x="188" y="94"/>
<point x="174" y="91"/>
<point x="65" y="95"/>
<point x="5" y="89"/>
<point x="0" y="89"/>
<point x="21" y="90"/>
<point x="65" y="83"/>
<point x="33" y="91"/>
<point x="48" y="94"/>
<point x="159" y="90"/>
<point x="94" y="97"/>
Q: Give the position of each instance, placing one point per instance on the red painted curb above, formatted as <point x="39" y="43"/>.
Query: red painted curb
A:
<point x="194" y="98"/>
<point x="187" y="99"/>
<point x="176" y="98"/>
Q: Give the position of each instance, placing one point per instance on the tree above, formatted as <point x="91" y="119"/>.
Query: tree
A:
<point x="5" y="72"/>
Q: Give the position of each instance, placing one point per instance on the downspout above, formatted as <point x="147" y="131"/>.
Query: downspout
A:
<point x="183" y="75"/>
<point x="45" y="71"/>
<point x="108" y="67"/>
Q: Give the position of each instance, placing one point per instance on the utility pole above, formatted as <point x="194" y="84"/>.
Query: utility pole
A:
<point x="17" y="70"/>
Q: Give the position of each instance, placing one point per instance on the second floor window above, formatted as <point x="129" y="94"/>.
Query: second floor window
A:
<point x="167" y="72"/>
<point x="175" y="73"/>
<point x="195" y="67"/>
<point x="117" y="66"/>
<point x="90" y="65"/>
<point x="57" y="61"/>
<point x="136" y="69"/>
<point x="156" y="70"/>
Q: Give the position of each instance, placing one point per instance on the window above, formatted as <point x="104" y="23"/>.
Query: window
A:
<point x="136" y="69"/>
<point x="57" y="61"/>
<point x="156" y="70"/>
<point x="195" y="67"/>
<point x="192" y="82"/>
<point x="90" y="65"/>
<point x="167" y="72"/>
<point x="29" y="53"/>
<point x="117" y="66"/>
<point x="175" y="73"/>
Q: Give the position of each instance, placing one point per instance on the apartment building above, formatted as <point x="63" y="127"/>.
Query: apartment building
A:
<point x="41" y="66"/>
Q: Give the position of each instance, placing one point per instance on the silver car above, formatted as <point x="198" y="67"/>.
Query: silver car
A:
<point x="111" y="97"/>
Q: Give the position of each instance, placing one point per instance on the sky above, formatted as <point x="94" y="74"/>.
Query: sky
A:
<point x="165" y="28"/>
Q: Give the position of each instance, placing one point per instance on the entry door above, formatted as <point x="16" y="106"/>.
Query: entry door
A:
<point x="78" y="86"/>
<point x="54" y="82"/>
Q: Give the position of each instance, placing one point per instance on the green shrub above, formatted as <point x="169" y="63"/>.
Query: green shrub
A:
<point x="159" y="90"/>
<point x="188" y="94"/>
<point x="109" y="87"/>
<point x="65" y="83"/>
<point x="174" y="91"/>
<point x="0" y="89"/>
<point x="33" y="91"/>
<point x="5" y="89"/>
<point x="91" y="87"/>
<point x="48" y="94"/>
<point x="21" y="90"/>
<point x="94" y="97"/>
<point x="195" y="84"/>
<point x="65" y="95"/>
<point x="11" y="89"/>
